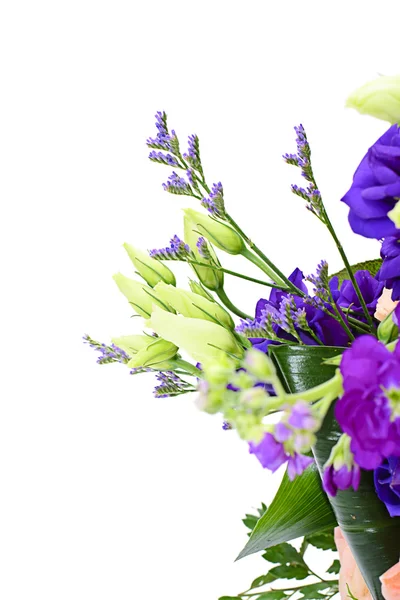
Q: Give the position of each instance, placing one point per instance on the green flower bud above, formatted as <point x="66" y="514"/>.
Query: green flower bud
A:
<point x="157" y="351"/>
<point x="197" y="288"/>
<point x="210" y="278"/>
<point x="388" y="331"/>
<point x="132" y="343"/>
<point x="394" y="214"/>
<point x="379" y="98"/>
<point x="259" y="365"/>
<point x="192" y="305"/>
<point x="219" y="234"/>
<point x="140" y="296"/>
<point x="150" y="269"/>
<point x="200" y="338"/>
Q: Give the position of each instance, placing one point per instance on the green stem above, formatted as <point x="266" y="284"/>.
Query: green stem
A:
<point x="332" y="386"/>
<point x="225" y="300"/>
<point x="348" y="269"/>
<point x="264" y="267"/>
<point x="358" y="325"/>
<point x="240" y="275"/>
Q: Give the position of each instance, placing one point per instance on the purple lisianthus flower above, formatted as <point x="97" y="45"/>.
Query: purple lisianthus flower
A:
<point x="269" y="452"/>
<point x="387" y="484"/>
<point x="345" y="297"/>
<point x="328" y="330"/>
<point x="375" y="187"/>
<point x="341" y="479"/>
<point x="389" y="272"/>
<point x="371" y="375"/>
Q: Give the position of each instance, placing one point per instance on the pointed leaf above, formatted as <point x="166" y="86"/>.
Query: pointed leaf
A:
<point x="282" y="553"/>
<point x="299" y="508"/>
<point x="323" y="540"/>
<point x="289" y="572"/>
<point x="372" y="266"/>
<point x="335" y="567"/>
<point x="272" y="595"/>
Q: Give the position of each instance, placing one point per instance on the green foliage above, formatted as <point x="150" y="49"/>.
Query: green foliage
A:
<point x="323" y="540"/>
<point x="334" y="568"/>
<point x="372" y="266"/>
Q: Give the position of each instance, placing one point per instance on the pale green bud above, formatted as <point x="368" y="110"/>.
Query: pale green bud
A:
<point x="255" y="398"/>
<point x="150" y="269"/>
<point x="210" y="278"/>
<point x="259" y="365"/>
<point x="157" y="351"/>
<point x="394" y="214"/>
<point x="201" y="339"/>
<point x="388" y="331"/>
<point x="132" y="343"/>
<point x="221" y="235"/>
<point x="379" y="98"/>
<point x="192" y="305"/>
<point x="140" y="296"/>
<point x="197" y="288"/>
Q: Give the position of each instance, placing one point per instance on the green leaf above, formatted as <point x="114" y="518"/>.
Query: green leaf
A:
<point x="335" y="567"/>
<point x="373" y="536"/>
<point x="312" y="591"/>
<point x="259" y="581"/>
<point x="323" y="540"/>
<point x="229" y="598"/>
<point x="272" y="595"/>
<point x="250" y="521"/>
<point x="299" y="508"/>
<point x="282" y="553"/>
<point x="288" y="572"/>
<point x="372" y="266"/>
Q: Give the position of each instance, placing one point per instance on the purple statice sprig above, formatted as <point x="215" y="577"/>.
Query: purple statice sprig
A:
<point x="177" y="250"/>
<point x="302" y="159"/>
<point x="204" y="249"/>
<point x="320" y="282"/>
<point x="192" y="156"/>
<point x="170" y="385"/>
<point x="177" y="185"/>
<point x="108" y="354"/>
<point x="163" y="159"/>
<point x="215" y="203"/>
<point x="164" y="140"/>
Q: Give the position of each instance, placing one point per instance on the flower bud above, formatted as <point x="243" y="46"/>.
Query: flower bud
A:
<point x="200" y="338"/>
<point x="140" y="296"/>
<point x="156" y="352"/>
<point x="192" y="305"/>
<point x="259" y="365"/>
<point x="219" y="234"/>
<point x="131" y="344"/>
<point x="379" y="98"/>
<point x="150" y="269"/>
<point x="388" y="330"/>
<point x="210" y="278"/>
<point x="197" y="288"/>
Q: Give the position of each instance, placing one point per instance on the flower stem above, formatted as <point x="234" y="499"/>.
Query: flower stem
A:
<point x="225" y="300"/>
<point x="235" y="274"/>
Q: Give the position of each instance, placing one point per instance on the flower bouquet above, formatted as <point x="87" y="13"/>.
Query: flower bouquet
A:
<point x="312" y="380"/>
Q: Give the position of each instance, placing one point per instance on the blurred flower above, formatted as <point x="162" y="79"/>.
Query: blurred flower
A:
<point x="379" y="98"/>
<point x="346" y="297"/>
<point x="340" y="471"/>
<point x="387" y="484"/>
<point x="391" y="583"/>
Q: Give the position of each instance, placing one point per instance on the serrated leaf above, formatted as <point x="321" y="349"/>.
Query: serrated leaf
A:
<point x="300" y="507"/>
<point x="259" y="581"/>
<point x="372" y="266"/>
<point x="250" y="521"/>
<point x="229" y="598"/>
<point x="323" y="540"/>
<point x="288" y="572"/>
<point x="335" y="567"/>
<point x="272" y="595"/>
<point x="282" y="553"/>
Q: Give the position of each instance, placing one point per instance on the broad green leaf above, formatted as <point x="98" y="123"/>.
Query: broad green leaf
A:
<point x="289" y="572"/>
<point x="335" y="567"/>
<point x="312" y="591"/>
<point x="372" y="266"/>
<point x="373" y="536"/>
<point x="322" y="540"/>
<point x="299" y="508"/>
<point x="282" y="553"/>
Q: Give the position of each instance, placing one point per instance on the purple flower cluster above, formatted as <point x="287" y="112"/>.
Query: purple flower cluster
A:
<point x="272" y="454"/>
<point x="170" y="385"/>
<point x="177" y="250"/>
<point x="177" y="185"/>
<point x="369" y="410"/>
<point x="215" y="202"/>
<point x="376" y="187"/>
<point x="108" y="354"/>
<point x="193" y="154"/>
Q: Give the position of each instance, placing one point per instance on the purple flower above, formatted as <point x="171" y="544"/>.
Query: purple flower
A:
<point x="297" y="464"/>
<point x="390" y="269"/>
<point x="215" y="201"/>
<point x="269" y="452"/>
<point x="301" y="416"/>
<point x="177" y="250"/>
<point x="387" y="484"/>
<point x="371" y="382"/>
<point x="165" y="159"/>
<point x="345" y="297"/>
<point x="376" y="184"/>
<point x="341" y="479"/>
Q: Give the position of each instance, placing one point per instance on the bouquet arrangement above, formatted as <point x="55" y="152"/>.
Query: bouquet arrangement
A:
<point x="312" y="380"/>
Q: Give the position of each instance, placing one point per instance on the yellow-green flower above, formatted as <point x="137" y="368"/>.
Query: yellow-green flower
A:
<point x="193" y="305"/>
<point x="202" y="339"/>
<point x="140" y="296"/>
<point x="132" y="343"/>
<point x="150" y="269"/>
<point x="210" y="278"/>
<point x="219" y="234"/>
<point x="379" y="98"/>
<point x="157" y="352"/>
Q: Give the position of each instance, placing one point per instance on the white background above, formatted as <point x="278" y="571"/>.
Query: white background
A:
<point x="106" y="492"/>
